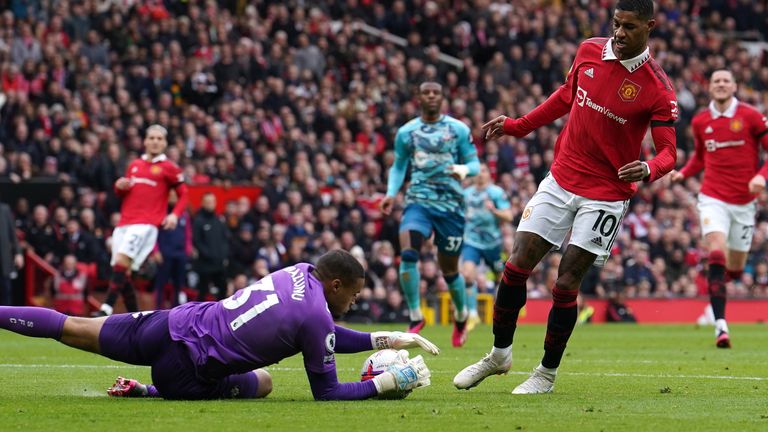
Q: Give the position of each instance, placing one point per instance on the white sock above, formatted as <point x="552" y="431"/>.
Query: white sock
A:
<point x="107" y="309"/>
<point x="473" y="314"/>
<point x="500" y="355"/>
<point x="721" y="326"/>
<point x="460" y="316"/>
<point x="547" y="371"/>
<point x="416" y="314"/>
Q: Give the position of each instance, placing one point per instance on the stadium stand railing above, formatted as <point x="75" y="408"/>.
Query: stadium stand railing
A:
<point x="38" y="279"/>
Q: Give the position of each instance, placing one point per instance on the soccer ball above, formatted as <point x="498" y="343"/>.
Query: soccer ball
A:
<point x="378" y="362"/>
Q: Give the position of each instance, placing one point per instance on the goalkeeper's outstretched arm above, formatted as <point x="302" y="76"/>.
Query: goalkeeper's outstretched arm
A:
<point x="352" y="341"/>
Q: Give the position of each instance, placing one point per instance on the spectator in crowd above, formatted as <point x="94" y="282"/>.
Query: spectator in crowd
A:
<point x="77" y="242"/>
<point x="69" y="287"/>
<point x="171" y="252"/>
<point x="39" y="234"/>
<point x="243" y="250"/>
<point x="11" y="258"/>
<point x="210" y="239"/>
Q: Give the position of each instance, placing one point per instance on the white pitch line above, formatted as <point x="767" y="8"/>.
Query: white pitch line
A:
<point x="291" y="369"/>
<point x="605" y="374"/>
<point x="65" y="366"/>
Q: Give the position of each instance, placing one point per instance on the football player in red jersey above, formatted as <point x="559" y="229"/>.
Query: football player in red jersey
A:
<point x="614" y="92"/>
<point x="727" y="137"/>
<point x="144" y="190"/>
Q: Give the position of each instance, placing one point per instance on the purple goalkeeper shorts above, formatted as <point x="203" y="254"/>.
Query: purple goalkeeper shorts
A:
<point x="143" y="339"/>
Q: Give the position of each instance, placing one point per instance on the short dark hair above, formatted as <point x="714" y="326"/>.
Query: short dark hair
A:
<point x="430" y="82"/>
<point x="339" y="264"/>
<point x="643" y="8"/>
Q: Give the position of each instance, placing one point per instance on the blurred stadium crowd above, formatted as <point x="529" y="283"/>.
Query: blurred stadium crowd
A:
<point x="295" y="97"/>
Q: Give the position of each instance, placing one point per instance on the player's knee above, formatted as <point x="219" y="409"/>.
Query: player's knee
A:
<point x="119" y="269"/>
<point x="409" y="255"/>
<point x="417" y="240"/>
<point x="82" y="333"/>
<point x="265" y="383"/>
<point x="450" y="278"/>
<point x="123" y="260"/>
<point x="734" y="275"/>
<point x="469" y="276"/>
<point x="716" y="257"/>
<point x="569" y="280"/>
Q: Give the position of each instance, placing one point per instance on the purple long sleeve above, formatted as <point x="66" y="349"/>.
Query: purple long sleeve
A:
<point x="351" y="341"/>
<point x="325" y="386"/>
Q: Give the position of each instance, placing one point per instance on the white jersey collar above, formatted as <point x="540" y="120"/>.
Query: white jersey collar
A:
<point x="156" y="159"/>
<point x="632" y="64"/>
<point x="728" y="113"/>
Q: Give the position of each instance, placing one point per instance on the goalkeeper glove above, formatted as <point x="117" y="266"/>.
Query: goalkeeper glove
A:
<point x="459" y="171"/>
<point x="403" y="377"/>
<point x="399" y="340"/>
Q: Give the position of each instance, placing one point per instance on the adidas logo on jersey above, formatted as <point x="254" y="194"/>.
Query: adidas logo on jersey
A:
<point x="590" y="72"/>
<point x="709" y="129"/>
<point x="598" y="241"/>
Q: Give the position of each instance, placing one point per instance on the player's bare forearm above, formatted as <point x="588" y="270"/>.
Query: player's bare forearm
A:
<point x="504" y="215"/>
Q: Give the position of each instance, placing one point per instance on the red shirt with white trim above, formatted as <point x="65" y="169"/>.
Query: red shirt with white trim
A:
<point x="612" y="103"/>
<point x="727" y="148"/>
<point x="146" y="200"/>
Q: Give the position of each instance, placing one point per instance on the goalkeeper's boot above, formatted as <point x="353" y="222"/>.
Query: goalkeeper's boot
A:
<point x="459" y="336"/>
<point x="723" y="341"/>
<point x="540" y="381"/>
<point x="474" y="374"/>
<point x="416" y="326"/>
<point x="126" y="387"/>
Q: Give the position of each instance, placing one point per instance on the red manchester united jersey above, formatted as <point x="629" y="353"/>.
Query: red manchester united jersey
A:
<point x="612" y="103"/>
<point x="146" y="200"/>
<point x="727" y="148"/>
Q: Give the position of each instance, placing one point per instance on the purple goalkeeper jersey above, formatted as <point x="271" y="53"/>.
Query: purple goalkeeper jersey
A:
<point x="281" y="315"/>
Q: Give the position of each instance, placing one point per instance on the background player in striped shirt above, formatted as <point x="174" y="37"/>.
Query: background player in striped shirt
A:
<point x="144" y="191"/>
<point x="727" y="136"/>
<point x="440" y="152"/>
<point x="487" y="207"/>
<point x="614" y="92"/>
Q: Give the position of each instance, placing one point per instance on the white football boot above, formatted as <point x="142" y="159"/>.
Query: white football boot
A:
<point x="542" y="380"/>
<point x="474" y="374"/>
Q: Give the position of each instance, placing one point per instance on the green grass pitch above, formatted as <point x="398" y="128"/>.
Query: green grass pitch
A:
<point x="613" y="378"/>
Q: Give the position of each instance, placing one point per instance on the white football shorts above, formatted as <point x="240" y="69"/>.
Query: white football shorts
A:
<point x="737" y="222"/>
<point x="135" y="241"/>
<point x="553" y="211"/>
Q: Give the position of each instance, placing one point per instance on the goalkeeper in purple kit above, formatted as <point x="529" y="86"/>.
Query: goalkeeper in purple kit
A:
<point x="214" y="350"/>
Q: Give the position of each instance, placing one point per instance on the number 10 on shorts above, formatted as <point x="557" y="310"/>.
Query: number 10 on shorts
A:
<point x="605" y="225"/>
